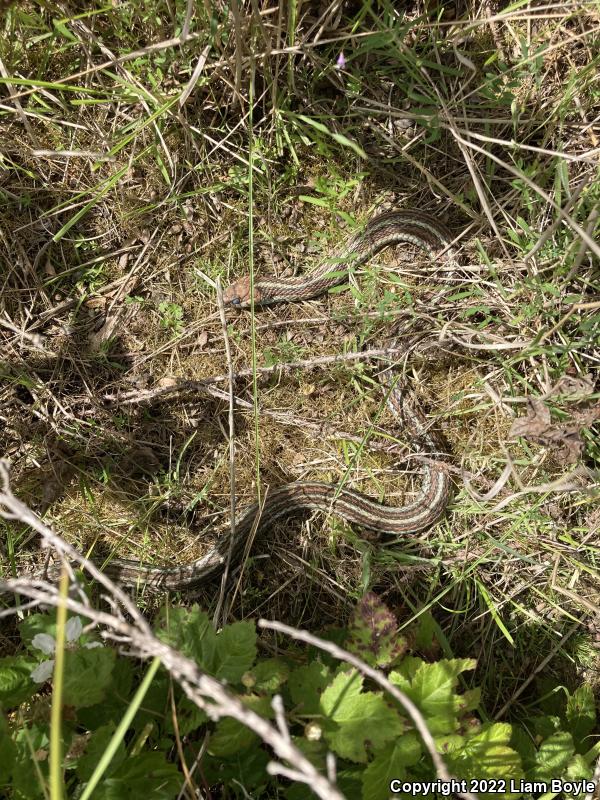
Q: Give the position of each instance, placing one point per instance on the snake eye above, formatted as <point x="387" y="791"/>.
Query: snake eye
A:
<point x="236" y="301"/>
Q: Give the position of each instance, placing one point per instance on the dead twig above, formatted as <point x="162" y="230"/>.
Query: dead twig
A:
<point x="162" y="392"/>
<point x="380" y="679"/>
<point x="205" y="691"/>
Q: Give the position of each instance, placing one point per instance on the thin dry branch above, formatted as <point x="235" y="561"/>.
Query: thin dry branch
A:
<point x="205" y="691"/>
<point x="421" y="344"/>
<point x="162" y="392"/>
<point x="379" y="678"/>
<point x="321" y="429"/>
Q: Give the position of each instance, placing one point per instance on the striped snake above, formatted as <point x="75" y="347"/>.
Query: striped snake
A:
<point x="387" y="229"/>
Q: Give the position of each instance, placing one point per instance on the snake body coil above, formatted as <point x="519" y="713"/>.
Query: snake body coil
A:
<point x="392" y="228"/>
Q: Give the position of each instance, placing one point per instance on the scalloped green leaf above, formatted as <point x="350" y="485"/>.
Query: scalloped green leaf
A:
<point x="306" y="684"/>
<point x="267" y="676"/>
<point x="487" y="754"/>
<point x="581" y="714"/>
<point x="431" y="687"/>
<point x="247" y="768"/>
<point x="578" y="769"/>
<point x="15" y="684"/>
<point x="190" y="631"/>
<point x="235" y="651"/>
<point x="390" y="762"/>
<point x="113" y="704"/>
<point x="357" y="720"/>
<point x="553" y="756"/>
<point x="373" y="633"/>
<point x="148" y="774"/>
<point x="231" y="737"/>
<point x="88" y="674"/>
<point x="96" y="746"/>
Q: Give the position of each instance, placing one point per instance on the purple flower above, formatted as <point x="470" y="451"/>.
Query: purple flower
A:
<point x="341" y="61"/>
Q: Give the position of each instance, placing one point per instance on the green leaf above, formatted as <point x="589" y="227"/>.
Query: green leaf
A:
<point x="315" y="751"/>
<point x="88" y="674"/>
<point x="267" y="676"/>
<point x="496" y="733"/>
<point x="34" y="624"/>
<point x="426" y="633"/>
<point x="357" y="719"/>
<point x="468" y="700"/>
<point x="189" y="717"/>
<point x="374" y="633"/>
<point x="449" y="743"/>
<point x="335" y="635"/>
<point x="316" y="201"/>
<point x="306" y="684"/>
<point x="553" y="698"/>
<point x="247" y="768"/>
<point x="522" y="741"/>
<point x="113" y="705"/>
<point x="121" y="730"/>
<point x="63" y="30"/>
<point x="227" y="655"/>
<point x="349" y="782"/>
<point x="487" y="755"/>
<point x="231" y="737"/>
<point x="236" y="651"/>
<point x="190" y="631"/>
<point x="145" y="775"/>
<point x="8" y="751"/>
<point x="578" y="769"/>
<point x="442" y="724"/>
<point x="545" y="726"/>
<point x="299" y="791"/>
<point x="581" y="714"/>
<point x="32" y="743"/>
<point x="15" y="684"/>
<point x="405" y="672"/>
<point x="389" y="763"/>
<point x="432" y="690"/>
<point x="553" y="756"/>
<point x="156" y="706"/>
<point x="93" y="752"/>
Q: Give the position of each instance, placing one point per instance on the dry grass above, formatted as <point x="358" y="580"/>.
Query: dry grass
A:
<point x="108" y="264"/>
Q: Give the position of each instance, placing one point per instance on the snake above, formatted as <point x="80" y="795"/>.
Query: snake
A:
<point x="384" y="230"/>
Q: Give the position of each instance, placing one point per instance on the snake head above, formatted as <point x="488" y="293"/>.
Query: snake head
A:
<point x="238" y="294"/>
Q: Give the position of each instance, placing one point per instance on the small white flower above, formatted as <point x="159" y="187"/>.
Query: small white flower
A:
<point x="73" y="629"/>
<point x="47" y="644"/>
<point x="43" y="672"/>
<point x="44" y="642"/>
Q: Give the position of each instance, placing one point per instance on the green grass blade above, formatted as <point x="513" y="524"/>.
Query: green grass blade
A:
<point x="56" y="748"/>
<point x="121" y="730"/>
